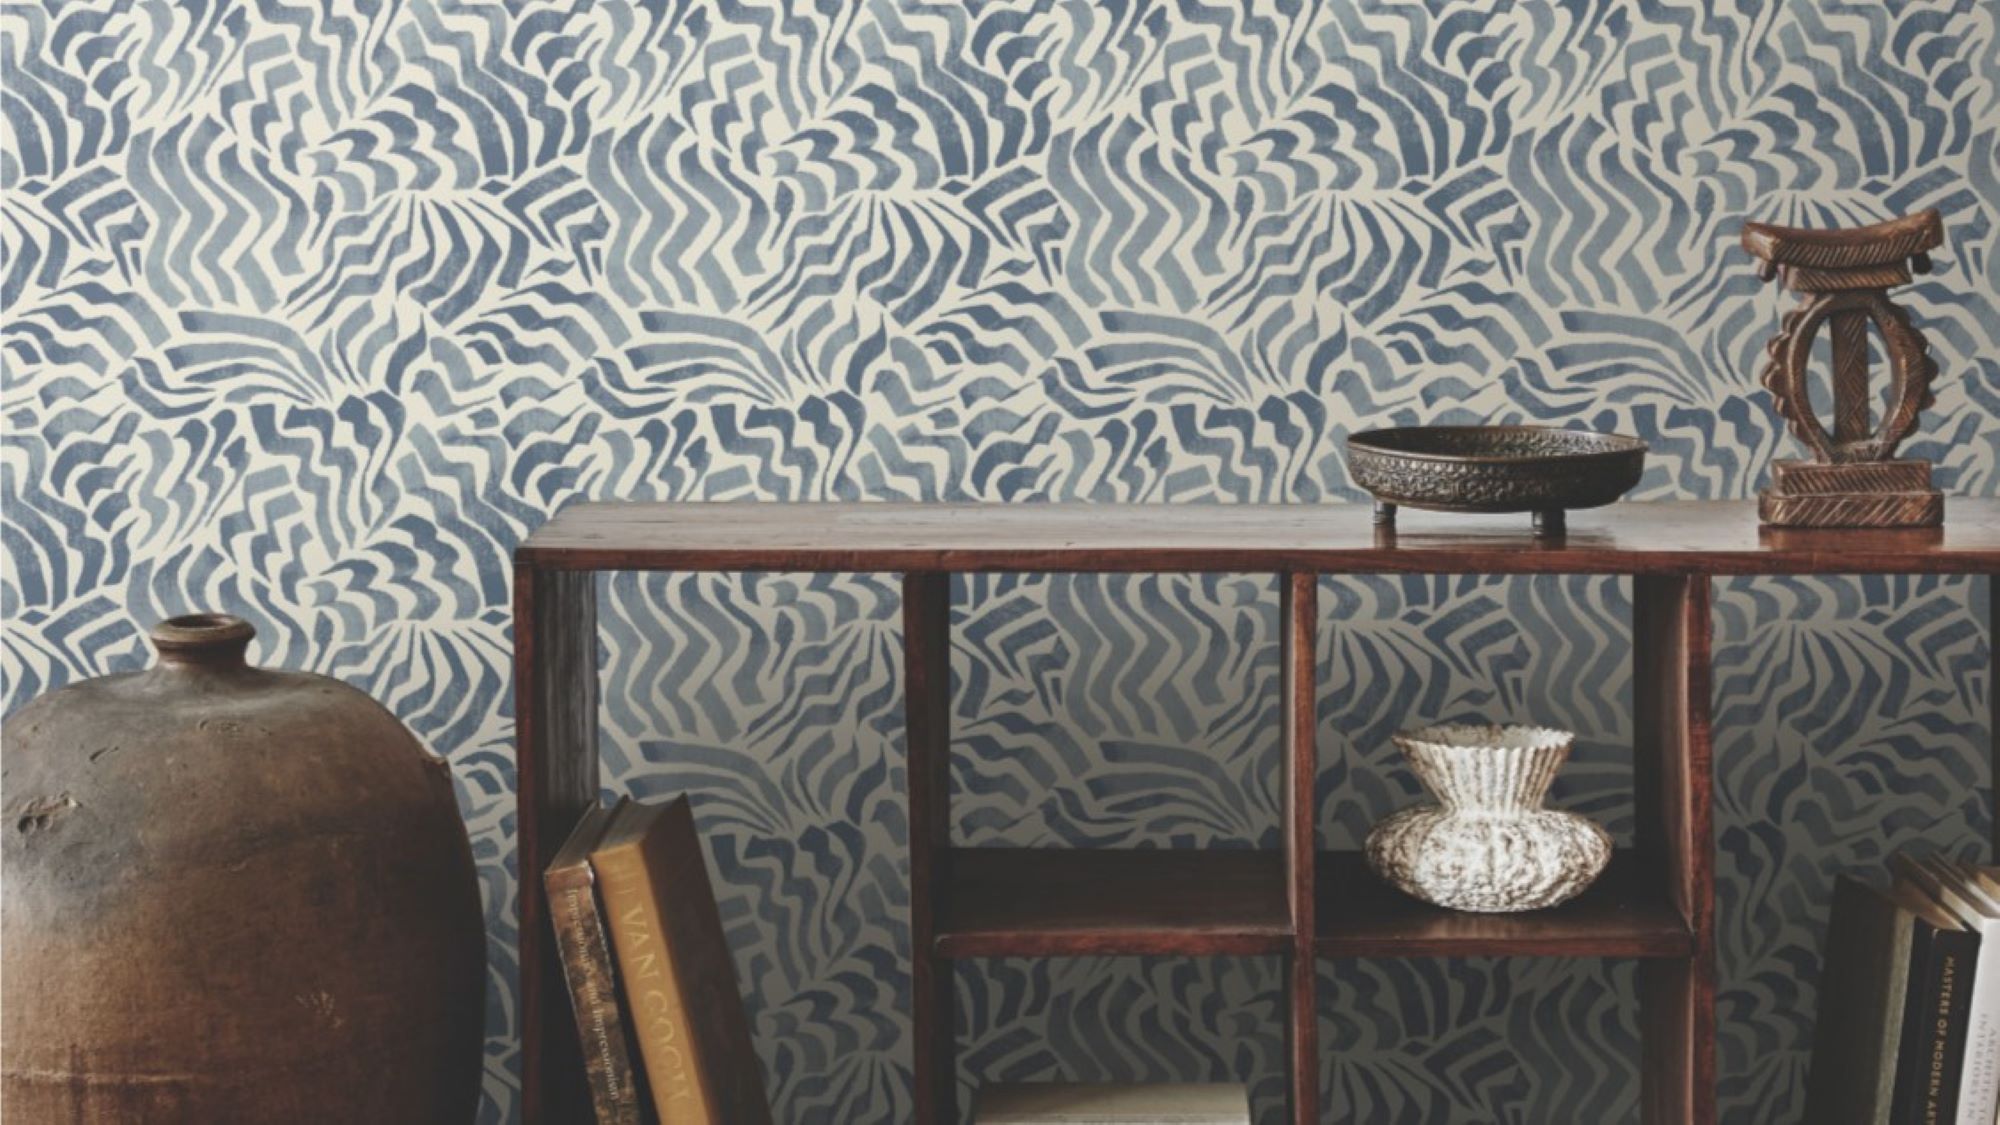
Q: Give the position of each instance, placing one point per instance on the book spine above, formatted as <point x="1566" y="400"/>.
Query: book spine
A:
<point x="1903" y="1107"/>
<point x="707" y="975"/>
<point x="586" y="964"/>
<point x="652" y="990"/>
<point x="1857" y="1034"/>
<point x="1934" y="1029"/>
<point x="1945" y="1064"/>
<point x="1979" y="1078"/>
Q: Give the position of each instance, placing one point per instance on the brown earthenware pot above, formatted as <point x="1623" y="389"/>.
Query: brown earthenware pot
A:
<point x="232" y="895"/>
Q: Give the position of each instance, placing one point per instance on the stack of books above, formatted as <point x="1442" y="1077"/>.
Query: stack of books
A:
<point x="649" y="972"/>
<point x="1160" y="1103"/>
<point x="1909" y="1021"/>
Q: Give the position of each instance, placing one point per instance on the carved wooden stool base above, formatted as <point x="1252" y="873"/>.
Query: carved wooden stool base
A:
<point x="1843" y="278"/>
<point x="1856" y="494"/>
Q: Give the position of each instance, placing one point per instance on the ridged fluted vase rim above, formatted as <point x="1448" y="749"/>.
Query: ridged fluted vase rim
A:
<point x="1458" y="738"/>
<point x="1487" y="766"/>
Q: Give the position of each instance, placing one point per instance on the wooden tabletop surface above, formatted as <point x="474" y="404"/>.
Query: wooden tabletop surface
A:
<point x="1666" y="537"/>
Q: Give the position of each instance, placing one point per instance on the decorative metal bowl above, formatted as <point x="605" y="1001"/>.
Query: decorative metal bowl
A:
<point x="1536" y="469"/>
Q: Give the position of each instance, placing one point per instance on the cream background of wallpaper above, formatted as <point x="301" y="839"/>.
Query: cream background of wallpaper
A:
<point x="312" y="311"/>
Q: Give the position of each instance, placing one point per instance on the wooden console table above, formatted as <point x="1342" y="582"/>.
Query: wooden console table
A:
<point x="1655" y="903"/>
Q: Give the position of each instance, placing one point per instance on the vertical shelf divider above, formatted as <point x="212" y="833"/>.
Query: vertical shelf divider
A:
<point x="1299" y="610"/>
<point x="555" y="779"/>
<point x="1672" y="782"/>
<point x="927" y="710"/>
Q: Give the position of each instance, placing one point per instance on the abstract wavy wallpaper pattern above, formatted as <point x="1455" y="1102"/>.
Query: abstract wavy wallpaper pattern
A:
<point x="314" y="309"/>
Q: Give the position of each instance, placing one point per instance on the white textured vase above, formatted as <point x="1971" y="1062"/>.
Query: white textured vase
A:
<point x="1488" y="845"/>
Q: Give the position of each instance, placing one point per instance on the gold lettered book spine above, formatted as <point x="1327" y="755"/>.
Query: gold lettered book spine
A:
<point x="587" y="970"/>
<point x="652" y="990"/>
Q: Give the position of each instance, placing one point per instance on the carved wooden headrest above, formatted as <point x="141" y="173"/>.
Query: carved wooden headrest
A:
<point x="1875" y="256"/>
<point x="1878" y="245"/>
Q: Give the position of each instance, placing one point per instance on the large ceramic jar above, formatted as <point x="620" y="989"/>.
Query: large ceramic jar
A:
<point x="1487" y="845"/>
<point x="232" y="895"/>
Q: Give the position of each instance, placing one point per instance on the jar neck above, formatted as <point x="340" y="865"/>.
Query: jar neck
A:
<point x="203" y="642"/>
<point x="1496" y="780"/>
<point x="1510" y="803"/>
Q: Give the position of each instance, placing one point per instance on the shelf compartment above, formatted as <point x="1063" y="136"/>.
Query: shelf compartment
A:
<point x="1056" y="902"/>
<point x="1625" y="913"/>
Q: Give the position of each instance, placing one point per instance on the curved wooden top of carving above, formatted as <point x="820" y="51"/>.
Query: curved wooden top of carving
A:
<point x="1882" y="244"/>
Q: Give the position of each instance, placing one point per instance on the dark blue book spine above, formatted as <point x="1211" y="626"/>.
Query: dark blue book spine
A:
<point x="1934" y="1025"/>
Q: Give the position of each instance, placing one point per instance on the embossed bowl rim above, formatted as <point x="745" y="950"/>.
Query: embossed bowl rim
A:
<point x="1390" y="441"/>
<point x="1484" y="738"/>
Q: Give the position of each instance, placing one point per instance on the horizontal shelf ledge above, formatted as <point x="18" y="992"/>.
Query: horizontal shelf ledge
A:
<point x="1625" y="913"/>
<point x="1658" y="537"/>
<point x="1054" y="902"/>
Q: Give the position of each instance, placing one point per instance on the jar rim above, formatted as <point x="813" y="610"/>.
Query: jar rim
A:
<point x="1485" y="737"/>
<point x="195" y="634"/>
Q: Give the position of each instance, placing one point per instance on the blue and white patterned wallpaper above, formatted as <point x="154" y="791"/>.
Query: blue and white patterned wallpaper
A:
<point x="313" y="310"/>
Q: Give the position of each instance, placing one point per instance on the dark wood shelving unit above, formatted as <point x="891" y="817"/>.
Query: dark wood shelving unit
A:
<point x="1656" y="903"/>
